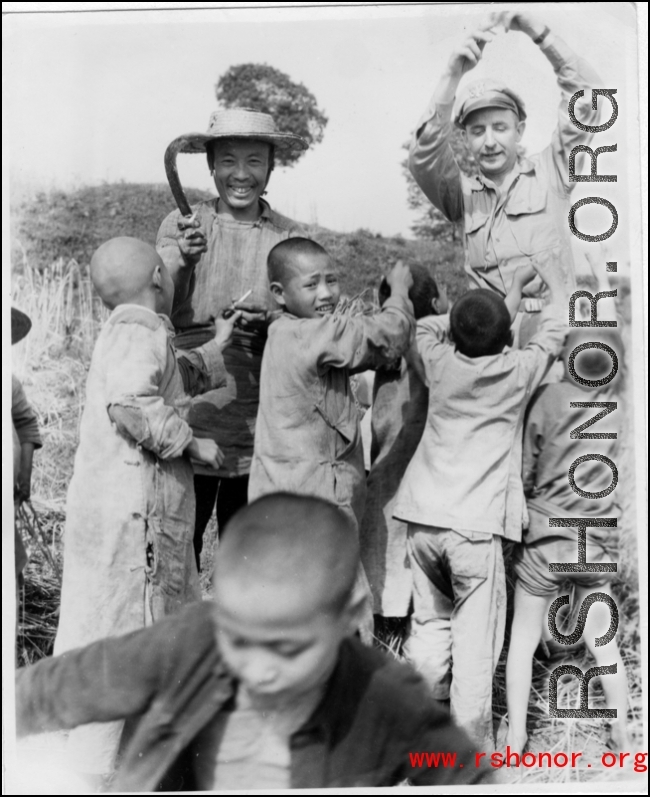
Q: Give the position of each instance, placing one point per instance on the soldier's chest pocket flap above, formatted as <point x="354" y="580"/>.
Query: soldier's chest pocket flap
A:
<point x="532" y="226"/>
<point x="475" y="221"/>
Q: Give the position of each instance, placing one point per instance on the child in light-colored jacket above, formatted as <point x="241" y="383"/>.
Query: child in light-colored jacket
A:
<point x="462" y="491"/>
<point x="307" y="437"/>
<point x="128" y="557"/>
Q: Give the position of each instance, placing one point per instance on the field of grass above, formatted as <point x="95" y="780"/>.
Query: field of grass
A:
<point x="53" y="239"/>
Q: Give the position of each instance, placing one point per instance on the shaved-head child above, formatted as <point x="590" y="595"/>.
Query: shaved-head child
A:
<point x="129" y="271"/>
<point x="129" y="522"/>
<point x="265" y="688"/>
<point x="307" y="436"/>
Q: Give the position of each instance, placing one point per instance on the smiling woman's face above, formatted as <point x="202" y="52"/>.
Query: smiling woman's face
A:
<point x="241" y="171"/>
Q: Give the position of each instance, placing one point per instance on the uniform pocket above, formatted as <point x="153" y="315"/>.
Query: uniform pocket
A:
<point x="532" y="226"/>
<point x="475" y="221"/>
<point x="469" y="554"/>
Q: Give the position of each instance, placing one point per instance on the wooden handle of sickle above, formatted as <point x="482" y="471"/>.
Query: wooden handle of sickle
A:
<point x="171" y="170"/>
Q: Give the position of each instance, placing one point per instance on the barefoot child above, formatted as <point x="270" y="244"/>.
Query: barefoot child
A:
<point x="266" y="688"/>
<point x="307" y="437"/>
<point x="399" y="412"/>
<point x="462" y="490"/>
<point x="548" y="453"/>
<point x="129" y="520"/>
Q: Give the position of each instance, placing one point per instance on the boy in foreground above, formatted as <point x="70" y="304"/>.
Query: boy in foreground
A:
<point x="462" y="491"/>
<point x="264" y="688"/>
<point x="128" y="557"/>
<point x="549" y="451"/>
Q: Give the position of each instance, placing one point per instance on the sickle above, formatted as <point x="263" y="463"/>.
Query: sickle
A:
<point x="178" y="145"/>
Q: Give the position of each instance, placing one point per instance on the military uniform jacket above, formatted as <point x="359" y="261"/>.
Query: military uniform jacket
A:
<point x="504" y="227"/>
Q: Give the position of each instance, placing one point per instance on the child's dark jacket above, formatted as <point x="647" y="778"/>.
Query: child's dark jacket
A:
<point x="169" y="681"/>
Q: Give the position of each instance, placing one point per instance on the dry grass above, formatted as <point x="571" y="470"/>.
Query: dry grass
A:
<point x="52" y="363"/>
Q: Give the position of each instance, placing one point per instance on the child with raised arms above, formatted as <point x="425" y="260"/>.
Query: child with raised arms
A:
<point x="399" y="413"/>
<point x="462" y="491"/>
<point x="307" y="437"/>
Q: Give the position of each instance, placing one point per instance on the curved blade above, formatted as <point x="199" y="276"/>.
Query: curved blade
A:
<point x="177" y="145"/>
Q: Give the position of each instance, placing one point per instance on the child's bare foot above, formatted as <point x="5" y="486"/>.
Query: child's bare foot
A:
<point x="618" y="737"/>
<point x="516" y="741"/>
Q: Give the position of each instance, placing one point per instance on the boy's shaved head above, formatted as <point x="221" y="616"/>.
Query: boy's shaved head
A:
<point x="284" y="255"/>
<point x="286" y="595"/>
<point x="122" y="269"/>
<point x="480" y="323"/>
<point x="292" y="550"/>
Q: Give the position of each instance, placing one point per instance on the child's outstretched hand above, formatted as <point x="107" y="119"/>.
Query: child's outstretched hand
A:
<point x="548" y="265"/>
<point x="206" y="451"/>
<point x="225" y="328"/>
<point x="399" y="278"/>
<point x="524" y="275"/>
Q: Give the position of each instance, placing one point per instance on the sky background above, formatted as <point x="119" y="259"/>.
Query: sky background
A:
<point x="92" y="97"/>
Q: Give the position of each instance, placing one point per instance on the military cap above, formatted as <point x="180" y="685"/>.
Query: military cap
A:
<point x="487" y="93"/>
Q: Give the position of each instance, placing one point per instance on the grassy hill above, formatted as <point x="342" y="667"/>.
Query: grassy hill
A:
<point x="71" y="225"/>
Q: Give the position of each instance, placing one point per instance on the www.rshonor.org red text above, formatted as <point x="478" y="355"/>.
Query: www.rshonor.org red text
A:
<point x="531" y="760"/>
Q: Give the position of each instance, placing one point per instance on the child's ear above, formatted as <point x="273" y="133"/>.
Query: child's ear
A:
<point x="356" y="608"/>
<point x="156" y="277"/>
<point x="278" y="292"/>
<point x="440" y="303"/>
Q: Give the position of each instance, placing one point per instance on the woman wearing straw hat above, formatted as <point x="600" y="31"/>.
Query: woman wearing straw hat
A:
<point x="215" y="257"/>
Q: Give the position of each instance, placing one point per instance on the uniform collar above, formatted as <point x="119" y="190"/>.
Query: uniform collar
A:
<point x="522" y="166"/>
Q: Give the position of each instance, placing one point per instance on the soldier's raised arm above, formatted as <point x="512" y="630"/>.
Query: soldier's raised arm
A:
<point x="431" y="159"/>
<point x="573" y="74"/>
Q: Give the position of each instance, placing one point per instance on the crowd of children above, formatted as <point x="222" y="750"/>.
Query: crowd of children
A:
<point x="266" y="685"/>
<point x="292" y="689"/>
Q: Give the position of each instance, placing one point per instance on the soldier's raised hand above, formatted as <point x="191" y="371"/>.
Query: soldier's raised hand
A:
<point x="467" y="55"/>
<point x="519" y="19"/>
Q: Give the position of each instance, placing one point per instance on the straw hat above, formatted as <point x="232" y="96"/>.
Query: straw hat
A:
<point x="20" y="325"/>
<point x="241" y="123"/>
<point x="487" y="93"/>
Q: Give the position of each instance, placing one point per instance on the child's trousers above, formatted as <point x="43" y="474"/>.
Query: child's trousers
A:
<point x="459" y="613"/>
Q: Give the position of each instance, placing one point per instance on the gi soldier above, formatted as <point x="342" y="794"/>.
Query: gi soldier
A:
<point x="516" y="207"/>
